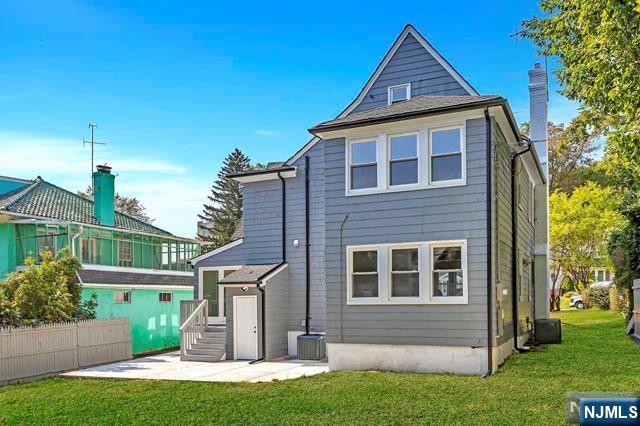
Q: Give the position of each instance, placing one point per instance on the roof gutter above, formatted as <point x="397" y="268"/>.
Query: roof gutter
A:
<point x="259" y="284"/>
<point x="413" y="114"/>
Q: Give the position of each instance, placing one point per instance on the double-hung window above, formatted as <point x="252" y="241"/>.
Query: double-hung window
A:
<point x="446" y="155"/>
<point x="405" y="272"/>
<point x="364" y="274"/>
<point x="403" y="163"/>
<point x="448" y="272"/>
<point x="364" y="165"/>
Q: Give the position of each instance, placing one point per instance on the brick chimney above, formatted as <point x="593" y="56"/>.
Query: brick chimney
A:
<point x="104" y="195"/>
<point x="538" y="109"/>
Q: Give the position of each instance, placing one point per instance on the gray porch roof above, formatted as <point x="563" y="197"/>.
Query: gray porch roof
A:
<point x="91" y="276"/>
<point x="249" y="274"/>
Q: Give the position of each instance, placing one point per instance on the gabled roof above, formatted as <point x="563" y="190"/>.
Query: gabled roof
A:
<point x="408" y="30"/>
<point x="249" y="274"/>
<point x="48" y="201"/>
<point x="418" y="106"/>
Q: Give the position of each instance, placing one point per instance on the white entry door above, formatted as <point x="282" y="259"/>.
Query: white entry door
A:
<point x="245" y="327"/>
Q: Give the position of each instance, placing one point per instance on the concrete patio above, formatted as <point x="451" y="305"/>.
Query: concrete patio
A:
<point x="168" y="366"/>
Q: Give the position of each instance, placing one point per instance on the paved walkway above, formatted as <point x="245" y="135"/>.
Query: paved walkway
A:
<point x="169" y="367"/>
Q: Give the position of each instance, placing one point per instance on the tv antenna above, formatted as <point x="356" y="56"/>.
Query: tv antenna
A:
<point x="93" y="143"/>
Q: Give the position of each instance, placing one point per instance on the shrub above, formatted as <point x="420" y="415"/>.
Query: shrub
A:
<point x="47" y="292"/>
<point x="597" y="298"/>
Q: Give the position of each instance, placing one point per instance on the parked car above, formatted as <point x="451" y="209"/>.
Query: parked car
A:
<point x="577" y="302"/>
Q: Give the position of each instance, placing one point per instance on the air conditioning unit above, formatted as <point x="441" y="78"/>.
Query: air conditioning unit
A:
<point x="312" y="347"/>
<point x="548" y="331"/>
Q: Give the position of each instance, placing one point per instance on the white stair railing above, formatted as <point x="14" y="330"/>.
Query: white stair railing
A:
<point x="193" y="327"/>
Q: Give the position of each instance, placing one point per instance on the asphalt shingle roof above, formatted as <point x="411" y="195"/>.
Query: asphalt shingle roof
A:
<point x="43" y="199"/>
<point x="417" y="105"/>
<point x="248" y="274"/>
<point x="89" y="276"/>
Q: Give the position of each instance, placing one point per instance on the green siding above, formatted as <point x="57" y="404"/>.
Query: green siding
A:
<point x="7" y="249"/>
<point x="154" y="325"/>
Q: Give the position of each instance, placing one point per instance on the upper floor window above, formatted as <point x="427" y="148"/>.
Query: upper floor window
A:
<point x="416" y="159"/>
<point x="122" y="297"/>
<point x="403" y="164"/>
<point x="165" y="297"/>
<point x="89" y="250"/>
<point x="446" y="154"/>
<point x="401" y="92"/>
<point x="364" y="165"/>
<point x="124" y="253"/>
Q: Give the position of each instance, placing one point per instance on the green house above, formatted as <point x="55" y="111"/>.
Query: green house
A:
<point x="137" y="270"/>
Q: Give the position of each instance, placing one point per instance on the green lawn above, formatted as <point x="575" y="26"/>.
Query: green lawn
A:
<point x="530" y="389"/>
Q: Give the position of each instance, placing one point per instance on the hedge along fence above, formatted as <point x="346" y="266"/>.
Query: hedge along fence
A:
<point x="41" y="351"/>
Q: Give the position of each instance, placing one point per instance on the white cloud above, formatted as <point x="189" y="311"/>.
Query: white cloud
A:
<point x="170" y="193"/>
<point x="265" y="132"/>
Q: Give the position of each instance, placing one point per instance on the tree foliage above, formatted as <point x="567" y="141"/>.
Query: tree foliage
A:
<point x="128" y="205"/>
<point x="579" y="225"/>
<point x="224" y="210"/>
<point x="597" y="44"/>
<point x="47" y="292"/>
<point x="571" y="150"/>
<point x="624" y="248"/>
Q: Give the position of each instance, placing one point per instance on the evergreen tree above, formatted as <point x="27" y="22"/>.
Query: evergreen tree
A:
<point x="224" y="211"/>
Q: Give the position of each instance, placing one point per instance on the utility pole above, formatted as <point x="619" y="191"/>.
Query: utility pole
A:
<point x="93" y="143"/>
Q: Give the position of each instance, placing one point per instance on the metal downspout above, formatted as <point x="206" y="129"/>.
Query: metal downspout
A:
<point x="489" y="225"/>
<point x="514" y="247"/>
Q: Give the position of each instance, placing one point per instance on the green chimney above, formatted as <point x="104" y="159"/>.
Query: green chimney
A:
<point x="103" y="195"/>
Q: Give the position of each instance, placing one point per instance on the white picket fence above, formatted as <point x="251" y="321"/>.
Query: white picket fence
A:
<point x="34" y="352"/>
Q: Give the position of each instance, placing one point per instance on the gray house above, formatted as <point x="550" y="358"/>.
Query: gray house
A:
<point x="409" y="232"/>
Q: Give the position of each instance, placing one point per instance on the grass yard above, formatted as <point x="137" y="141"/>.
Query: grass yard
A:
<point x="530" y="389"/>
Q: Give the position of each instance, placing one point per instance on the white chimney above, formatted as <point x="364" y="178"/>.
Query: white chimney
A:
<point x="538" y="109"/>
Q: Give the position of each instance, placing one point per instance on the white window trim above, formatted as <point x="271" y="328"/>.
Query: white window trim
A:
<point x="220" y="270"/>
<point x="383" y="155"/>
<point x="389" y="160"/>
<point x="463" y="157"/>
<point x="425" y="249"/>
<point x="364" y="300"/>
<point x="390" y="89"/>
<point x="464" y="299"/>
<point x="421" y="294"/>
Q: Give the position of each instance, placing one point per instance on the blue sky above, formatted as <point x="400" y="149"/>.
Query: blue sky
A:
<point x="175" y="86"/>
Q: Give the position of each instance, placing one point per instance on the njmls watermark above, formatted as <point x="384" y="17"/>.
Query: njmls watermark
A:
<point x="603" y="408"/>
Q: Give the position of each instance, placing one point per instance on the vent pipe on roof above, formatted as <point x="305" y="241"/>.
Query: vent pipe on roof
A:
<point x="104" y="195"/>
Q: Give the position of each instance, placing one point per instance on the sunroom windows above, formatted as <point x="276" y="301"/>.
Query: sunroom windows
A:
<point x="411" y="273"/>
<point x="419" y="159"/>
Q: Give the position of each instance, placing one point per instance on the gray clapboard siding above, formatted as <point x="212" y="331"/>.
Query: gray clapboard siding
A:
<point x="231" y="257"/>
<point x="503" y="239"/>
<point x="375" y="219"/>
<point x="411" y="63"/>
<point x="277" y="315"/>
